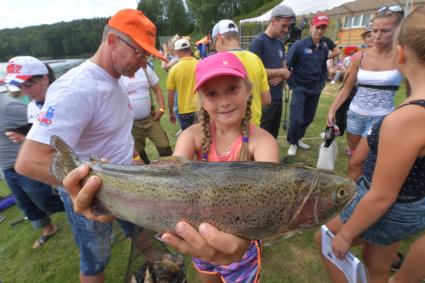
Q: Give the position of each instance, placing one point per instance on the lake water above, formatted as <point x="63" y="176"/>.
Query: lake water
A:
<point x="60" y="66"/>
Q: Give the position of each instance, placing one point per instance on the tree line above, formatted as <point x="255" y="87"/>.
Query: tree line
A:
<point x="82" y="37"/>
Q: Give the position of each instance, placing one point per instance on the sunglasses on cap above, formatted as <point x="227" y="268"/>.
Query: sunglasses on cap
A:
<point x="139" y="53"/>
<point x="390" y="9"/>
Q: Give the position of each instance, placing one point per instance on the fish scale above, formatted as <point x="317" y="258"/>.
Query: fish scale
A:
<point x="255" y="200"/>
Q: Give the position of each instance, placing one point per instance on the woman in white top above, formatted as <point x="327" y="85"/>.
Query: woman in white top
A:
<point x="376" y="77"/>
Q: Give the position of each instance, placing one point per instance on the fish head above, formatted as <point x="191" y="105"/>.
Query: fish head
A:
<point x="330" y="194"/>
<point x="64" y="160"/>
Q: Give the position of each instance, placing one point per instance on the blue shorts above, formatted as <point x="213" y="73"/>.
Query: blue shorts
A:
<point x="246" y="270"/>
<point x="360" y="125"/>
<point x="93" y="238"/>
<point x="402" y="220"/>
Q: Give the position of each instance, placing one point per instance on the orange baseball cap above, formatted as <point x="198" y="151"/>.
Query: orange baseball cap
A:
<point x="138" y="27"/>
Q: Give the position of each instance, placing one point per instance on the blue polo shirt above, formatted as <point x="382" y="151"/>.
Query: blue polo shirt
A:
<point x="272" y="52"/>
<point x="308" y="64"/>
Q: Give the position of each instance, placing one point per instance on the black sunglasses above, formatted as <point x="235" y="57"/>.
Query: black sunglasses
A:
<point x="140" y="54"/>
<point x="390" y="9"/>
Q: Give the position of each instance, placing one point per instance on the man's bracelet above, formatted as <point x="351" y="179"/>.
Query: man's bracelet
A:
<point x="161" y="110"/>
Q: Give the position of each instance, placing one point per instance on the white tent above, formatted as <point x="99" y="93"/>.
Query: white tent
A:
<point x="300" y="7"/>
<point x="333" y="7"/>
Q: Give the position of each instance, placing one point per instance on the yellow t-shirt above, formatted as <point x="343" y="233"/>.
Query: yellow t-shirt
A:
<point x="181" y="78"/>
<point x="258" y="77"/>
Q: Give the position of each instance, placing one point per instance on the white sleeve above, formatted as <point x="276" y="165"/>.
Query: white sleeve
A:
<point x="153" y="78"/>
<point x="32" y="112"/>
<point x="65" y="113"/>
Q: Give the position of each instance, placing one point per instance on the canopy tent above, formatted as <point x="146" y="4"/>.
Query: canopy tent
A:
<point x="333" y="7"/>
<point x="301" y="7"/>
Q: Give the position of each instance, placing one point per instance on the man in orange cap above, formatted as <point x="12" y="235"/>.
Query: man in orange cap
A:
<point x="90" y="110"/>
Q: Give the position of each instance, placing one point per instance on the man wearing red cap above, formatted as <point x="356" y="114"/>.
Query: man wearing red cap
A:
<point x="90" y="110"/>
<point x="307" y="60"/>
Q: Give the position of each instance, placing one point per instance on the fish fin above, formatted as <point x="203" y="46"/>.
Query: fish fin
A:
<point x="94" y="158"/>
<point x="64" y="160"/>
<point x="269" y="241"/>
<point x="168" y="161"/>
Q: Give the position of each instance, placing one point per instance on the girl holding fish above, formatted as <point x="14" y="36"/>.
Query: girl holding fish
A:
<point x="223" y="134"/>
<point x="390" y="202"/>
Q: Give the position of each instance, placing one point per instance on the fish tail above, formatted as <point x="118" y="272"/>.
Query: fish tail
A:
<point x="64" y="159"/>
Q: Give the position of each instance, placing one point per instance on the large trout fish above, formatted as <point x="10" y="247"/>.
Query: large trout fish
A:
<point x="255" y="200"/>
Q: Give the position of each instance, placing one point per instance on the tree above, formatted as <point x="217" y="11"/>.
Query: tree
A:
<point x="154" y="10"/>
<point x="178" y="19"/>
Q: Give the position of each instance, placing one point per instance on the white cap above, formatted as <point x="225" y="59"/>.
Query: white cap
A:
<point x="21" y="68"/>
<point x="224" y="26"/>
<point x="181" y="43"/>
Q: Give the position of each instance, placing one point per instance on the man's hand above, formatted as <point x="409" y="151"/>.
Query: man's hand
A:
<point x="15" y="137"/>
<point x="156" y="115"/>
<point x="82" y="198"/>
<point x="208" y="244"/>
<point x="275" y="81"/>
<point x="173" y="118"/>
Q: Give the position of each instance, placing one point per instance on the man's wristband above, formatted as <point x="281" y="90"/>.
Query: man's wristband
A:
<point x="161" y="110"/>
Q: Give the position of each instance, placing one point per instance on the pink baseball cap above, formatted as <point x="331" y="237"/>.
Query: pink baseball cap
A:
<point x="219" y="64"/>
<point x="21" y="68"/>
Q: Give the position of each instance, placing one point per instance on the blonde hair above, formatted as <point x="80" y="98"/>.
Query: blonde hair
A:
<point x="412" y="32"/>
<point x="204" y="119"/>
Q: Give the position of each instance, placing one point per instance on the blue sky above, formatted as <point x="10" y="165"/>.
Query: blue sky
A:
<point x="23" y="13"/>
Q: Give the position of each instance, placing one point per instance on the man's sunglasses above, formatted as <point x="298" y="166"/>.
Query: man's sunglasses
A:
<point x="139" y="53"/>
<point x="390" y="9"/>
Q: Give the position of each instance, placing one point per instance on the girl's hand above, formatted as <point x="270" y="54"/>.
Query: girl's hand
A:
<point x="331" y="119"/>
<point x="208" y="244"/>
<point x="15" y="137"/>
<point x="340" y="245"/>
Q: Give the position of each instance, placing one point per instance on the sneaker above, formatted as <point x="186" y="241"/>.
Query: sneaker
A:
<point x="303" y="145"/>
<point x="292" y="150"/>
<point x="332" y="82"/>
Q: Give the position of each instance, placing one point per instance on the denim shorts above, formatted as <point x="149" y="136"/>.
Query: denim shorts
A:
<point x="402" y="219"/>
<point x="93" y="238"/>
<point x="188" y="119"/>
<point x="245" y="270"/>
<point x="360" y="125"/>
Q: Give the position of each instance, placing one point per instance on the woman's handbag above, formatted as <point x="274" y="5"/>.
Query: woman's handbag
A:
<point x="328" y="150"/>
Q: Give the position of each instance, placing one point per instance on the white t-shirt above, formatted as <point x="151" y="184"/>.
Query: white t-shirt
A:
<point x="90" y="110"/>
<point x="32" y="111"/>
<point x="138" y="92"/>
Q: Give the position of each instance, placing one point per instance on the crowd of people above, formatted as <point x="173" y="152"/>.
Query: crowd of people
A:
<point x="229" y="108"/>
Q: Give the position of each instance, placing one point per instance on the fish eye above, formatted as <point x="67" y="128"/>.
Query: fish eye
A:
<point x="340" y="193"/>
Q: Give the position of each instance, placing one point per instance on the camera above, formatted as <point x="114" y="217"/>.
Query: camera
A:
<point x="296" y="31"/>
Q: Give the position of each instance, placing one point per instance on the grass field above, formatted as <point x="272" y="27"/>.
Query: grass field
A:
<point x="292" y="260"/>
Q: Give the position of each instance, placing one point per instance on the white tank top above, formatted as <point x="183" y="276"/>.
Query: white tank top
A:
<point x="375" y="92"/>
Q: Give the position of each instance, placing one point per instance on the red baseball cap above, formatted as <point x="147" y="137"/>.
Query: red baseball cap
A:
<point x="320" y="19"/>
<point x="138" y="27"/>
<point x="219" y="64"/>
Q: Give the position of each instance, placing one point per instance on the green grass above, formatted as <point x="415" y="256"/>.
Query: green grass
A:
<point x="291" y="260"/>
